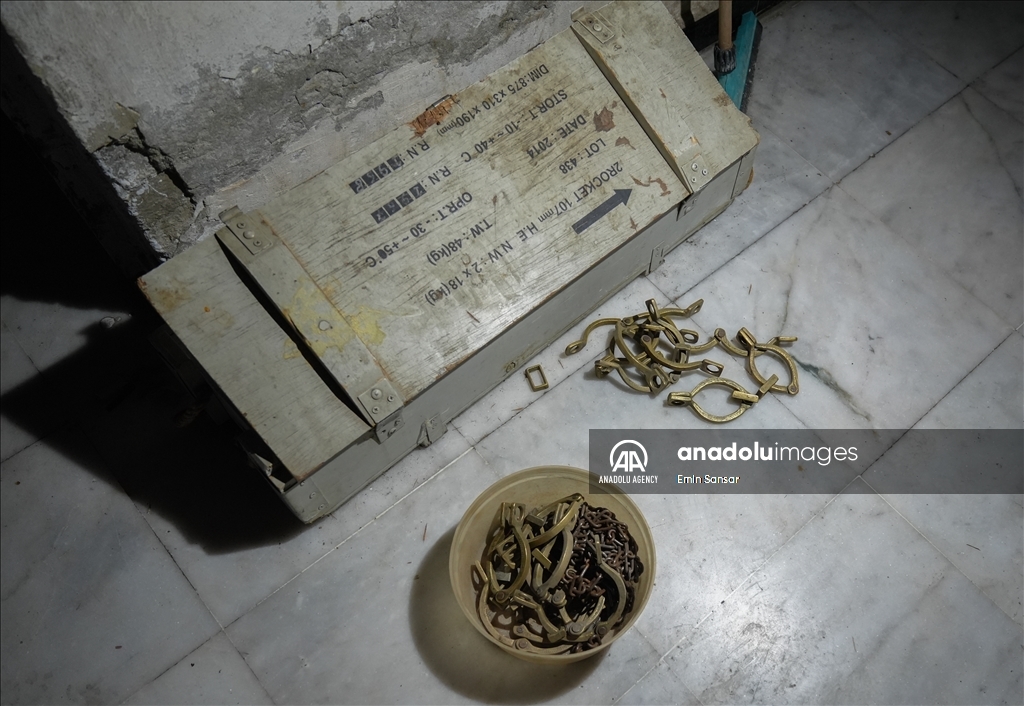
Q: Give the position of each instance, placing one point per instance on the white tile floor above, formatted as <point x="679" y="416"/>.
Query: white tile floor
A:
<point x="144" y="563"/>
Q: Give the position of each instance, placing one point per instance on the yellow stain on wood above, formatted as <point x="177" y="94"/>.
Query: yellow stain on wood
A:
<point x="290" y="350"/>
<point x="365" y="325"/>
<point x="321" y="329"/>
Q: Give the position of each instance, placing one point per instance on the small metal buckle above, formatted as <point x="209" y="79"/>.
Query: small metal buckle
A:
<point x="536" y="386"/>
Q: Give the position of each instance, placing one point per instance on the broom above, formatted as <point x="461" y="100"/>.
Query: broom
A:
<point x="734" y="60"/>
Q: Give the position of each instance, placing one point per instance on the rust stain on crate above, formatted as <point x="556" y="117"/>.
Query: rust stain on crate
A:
<point x="422" y="249"/>
<point x="665" y="191"/>
<point x="164" y="299"/>
<point x="603" y="121"/>
<point x="432" y="115"/>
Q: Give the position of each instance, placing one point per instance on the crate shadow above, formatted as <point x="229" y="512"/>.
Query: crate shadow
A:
<point x="131" y="410"/>
<point x="114" y="388"/>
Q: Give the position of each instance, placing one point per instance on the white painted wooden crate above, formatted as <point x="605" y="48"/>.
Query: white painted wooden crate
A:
<point x="348" y="320"/>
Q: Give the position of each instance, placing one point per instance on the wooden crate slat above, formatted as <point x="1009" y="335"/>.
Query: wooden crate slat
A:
<point x="256" y="365"/>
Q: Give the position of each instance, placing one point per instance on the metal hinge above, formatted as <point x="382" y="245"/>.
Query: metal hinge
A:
<point x="696" y="173"/>
<point x="385" y="428"/>
<point x="657" y="258"/>
<point x="308" y="500"/>
<point x="251" y="232"/>
<point x="380" y="401"/>
<point x="687" y="205"/>
<point x="321" y="329"/>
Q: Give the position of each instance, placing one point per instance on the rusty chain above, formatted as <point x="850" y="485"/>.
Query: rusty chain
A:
<point x="557" y="579"/>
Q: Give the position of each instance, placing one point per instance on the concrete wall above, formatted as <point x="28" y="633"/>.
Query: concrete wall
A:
<point x="188" y="108"/>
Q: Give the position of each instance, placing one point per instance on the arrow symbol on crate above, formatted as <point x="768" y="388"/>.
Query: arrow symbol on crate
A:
<point x="620" y="196"/>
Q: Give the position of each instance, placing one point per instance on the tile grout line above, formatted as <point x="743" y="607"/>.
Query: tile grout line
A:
<point x="138" y="511"/>
<point x="76" y="428"/>
<point x="21" y="346"/>
<point x="914" y="248"/>
<point x="390" y="507"/>
<point x="38" y="375"/>
<point x="63" y="427"/>
<point x="942" y="554"/>
<point x="833" y="183"/>
<point x="647" y="673"/>
<point x="948" y="392"/>
<point x="247" y="665"/>
<point x="342" y="542"/>
<point x="661" y="291"/>
<point x="644" y="676"/>
<point x="661" y="660"/>
<point x="988" y="134"/>
<point x="882" y="497"/>
<point x="767" y="559"/>
<point x="923" y="255"/>
<point x="149" y="526"/>
<point x="220" y="627"/>
<point x="912" y="43"/>
<point x="764" y="235"/>
<point x="223" y="632"/>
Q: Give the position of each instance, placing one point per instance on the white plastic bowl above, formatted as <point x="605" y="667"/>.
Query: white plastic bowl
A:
<point x="537" y="487"/>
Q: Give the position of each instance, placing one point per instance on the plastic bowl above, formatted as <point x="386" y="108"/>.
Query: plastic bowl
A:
<point x="536" y="487"/>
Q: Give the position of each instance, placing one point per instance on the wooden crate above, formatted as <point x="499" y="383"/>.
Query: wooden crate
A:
<point x="348" y="320"/>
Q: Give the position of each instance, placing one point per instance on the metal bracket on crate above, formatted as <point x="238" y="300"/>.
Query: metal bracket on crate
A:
<point x="596" y="25"/>
<point x="696" y="173"/>
<point x="380" y="401"/>
<point x="431" y="430"/>
<point x="251" y="232"/>
<point x="302" y="308"/>
<point x="687" y="205"/>
<point x="657" y="258"/>
<point x="385" y="428"/>
<point x="382" y="404"/>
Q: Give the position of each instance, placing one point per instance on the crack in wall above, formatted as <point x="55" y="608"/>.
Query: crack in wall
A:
<point x="190" y="139"/>
<point x="135" y="141"/>
<point x="280" y="95"/>
<point x="145" y="178"/>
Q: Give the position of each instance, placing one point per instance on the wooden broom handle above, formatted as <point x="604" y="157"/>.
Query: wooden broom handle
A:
<point x="725" y="24"/>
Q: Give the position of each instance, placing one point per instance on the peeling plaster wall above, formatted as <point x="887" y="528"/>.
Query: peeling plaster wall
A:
<point x="190" y="108"/>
